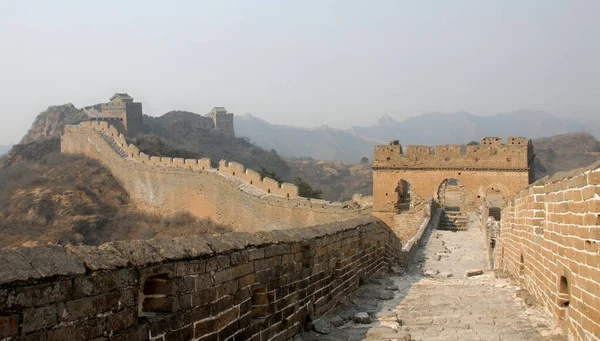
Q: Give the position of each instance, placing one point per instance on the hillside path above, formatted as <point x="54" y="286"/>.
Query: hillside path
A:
<point x="434" y="301"/>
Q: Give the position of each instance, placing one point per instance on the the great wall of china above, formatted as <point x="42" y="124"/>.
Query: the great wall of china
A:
<point x="266" y="284"/>
<point x="230" y="195"/>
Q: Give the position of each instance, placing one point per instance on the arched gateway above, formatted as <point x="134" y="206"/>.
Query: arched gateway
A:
<point x="506" y="167"/>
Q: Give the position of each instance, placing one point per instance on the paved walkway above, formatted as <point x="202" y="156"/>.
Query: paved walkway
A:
<point x="434" y="300"/>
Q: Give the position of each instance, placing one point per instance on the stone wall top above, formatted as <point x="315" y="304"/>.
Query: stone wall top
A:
<point x="26" y="265"/>
<point x="492" y="153"/>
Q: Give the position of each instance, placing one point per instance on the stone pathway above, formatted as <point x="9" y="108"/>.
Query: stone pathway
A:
<point x="434" y="300"/>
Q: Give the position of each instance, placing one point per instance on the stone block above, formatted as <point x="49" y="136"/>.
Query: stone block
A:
<point x="195" y="246"/>
<point x="80" y="330"/>
<point x="37" y="336"/>
<point x="97" y="284"/>
<point x="204" y="296"/>
<point x="204" y="281"/>
<point x="222" y="261"/>
<point x="190" y="268"/>
<point x="195" y="314"/>
<point x="137" y="333"/>
<point x="228" y="317"/>
<point x="184" y="284"/>
<point x="122" y="319"/>
<point x="39" y="295"/>
<point x="169" y="248"/>
<point x="9" y="325"/>
<point x="228" y="288"/>
<point x="226" y="243"/>
<point x="242" y="270"/>
<point x="185" y="333"/>
<point x="39" y="318"/>
<point x="206" y="327"/>
<point x="14" y="267"/>
<point x="184" y="301"/>
<point x="138" y="252"/>
<point x="245" y="281"/>
<point x="52" y="260"/>
<point x="224" y="276"/>
<point x="104" y="257"/>
<point x="91" y="306"/>
<point x="128" y="298"/>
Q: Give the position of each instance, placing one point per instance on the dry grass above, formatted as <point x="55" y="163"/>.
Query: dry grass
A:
<point x="65" y="199"/>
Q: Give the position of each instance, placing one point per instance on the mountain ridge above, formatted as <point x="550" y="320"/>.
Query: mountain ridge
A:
<point x="434" y="128"/>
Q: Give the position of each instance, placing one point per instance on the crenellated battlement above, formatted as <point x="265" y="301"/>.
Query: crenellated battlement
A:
<point x="235" y="169"/>
<point x="492" y="153"/>
<point x="229" y="194"/>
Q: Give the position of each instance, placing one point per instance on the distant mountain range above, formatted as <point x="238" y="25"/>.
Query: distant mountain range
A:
<point x="350" y="145"/>
<point x="322" y="143"/>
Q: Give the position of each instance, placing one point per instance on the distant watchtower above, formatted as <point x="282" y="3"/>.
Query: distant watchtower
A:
<point x="124" y="113"/>
<point x="223" y="121"/>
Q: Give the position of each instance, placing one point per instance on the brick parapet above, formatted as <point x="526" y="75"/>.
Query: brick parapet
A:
<point x="491" y="155"/>
<point x="553" y="226"/>
<point x="246" y="286"/>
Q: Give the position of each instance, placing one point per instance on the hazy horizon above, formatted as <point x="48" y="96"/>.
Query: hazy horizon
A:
<point x="303" y="63"/>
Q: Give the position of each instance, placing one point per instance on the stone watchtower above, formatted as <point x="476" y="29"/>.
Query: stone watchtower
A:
<point x="223" y="121"/>
<point x="123" y="113"/>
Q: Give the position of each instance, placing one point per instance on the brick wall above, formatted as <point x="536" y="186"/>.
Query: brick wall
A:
<point x="171" y="184"/>
<point x="236" y="286"/>
<point x="549" y="239"/>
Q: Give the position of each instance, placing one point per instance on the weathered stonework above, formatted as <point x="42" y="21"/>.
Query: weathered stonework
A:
<point x="420" y="170"/>
<point x="237" y="286"/>
<point x="230" y="195"/>
<point x="550" y="239"/>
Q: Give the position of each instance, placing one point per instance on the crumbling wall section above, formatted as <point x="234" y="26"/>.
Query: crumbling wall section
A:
<point x="549" y="239"/>
<point x="236" y="286"/>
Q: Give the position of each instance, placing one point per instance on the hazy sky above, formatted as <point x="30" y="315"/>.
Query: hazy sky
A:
<point x="305" y="62"/>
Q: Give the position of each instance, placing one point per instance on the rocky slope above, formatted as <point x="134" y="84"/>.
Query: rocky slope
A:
<point x="565" y="152"/>
<point x="338" y="180"/>
<point x="50" y="123"/>
<point x="48" y="197"/>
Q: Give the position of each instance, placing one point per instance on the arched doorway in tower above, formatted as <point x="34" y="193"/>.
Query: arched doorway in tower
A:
<point x="452" y="199"/>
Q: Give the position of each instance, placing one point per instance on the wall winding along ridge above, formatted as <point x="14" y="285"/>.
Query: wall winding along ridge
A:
<point x="237" y="286"/>
<point x="550" y="238"/>
<point x="231" y="195"/>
